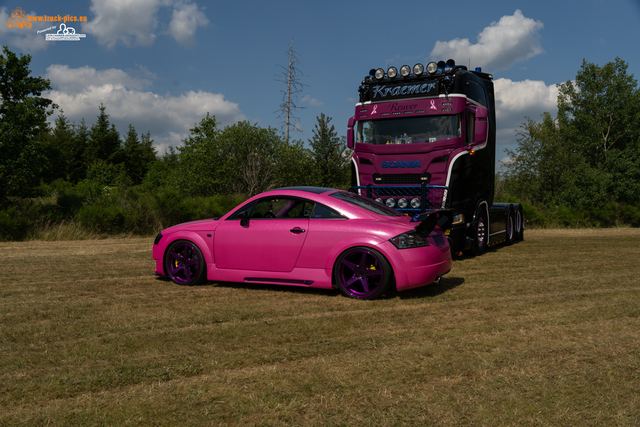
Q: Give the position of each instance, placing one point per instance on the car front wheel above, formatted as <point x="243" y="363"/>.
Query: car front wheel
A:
<point x="184" y="263"/>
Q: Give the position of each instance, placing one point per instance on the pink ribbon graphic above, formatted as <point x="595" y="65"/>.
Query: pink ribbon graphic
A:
<point x="433" y="104"/>
<point x="375" y="108"/>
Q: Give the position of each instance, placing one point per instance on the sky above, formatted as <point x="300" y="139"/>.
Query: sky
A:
<point x="162" y="65"/>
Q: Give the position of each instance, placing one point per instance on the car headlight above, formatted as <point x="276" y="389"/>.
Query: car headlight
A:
<point x="410" y="239"/>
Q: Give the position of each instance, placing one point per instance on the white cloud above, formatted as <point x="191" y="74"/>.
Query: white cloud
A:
<point x="311" y="101"/>
<point x="185" y="21"/>
<point x="78" y="79"/>
<point x="167" y="117"/>
<point x="27" y="39"/>
<point x="500" y="45"/>
<point x="517" y="100"/>
<point x="134" y="23"/>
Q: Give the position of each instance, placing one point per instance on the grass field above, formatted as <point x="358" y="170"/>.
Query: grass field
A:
<point x="546" y="333"/>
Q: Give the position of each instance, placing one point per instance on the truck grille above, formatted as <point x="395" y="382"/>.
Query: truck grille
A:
<point x="401" y="179"/>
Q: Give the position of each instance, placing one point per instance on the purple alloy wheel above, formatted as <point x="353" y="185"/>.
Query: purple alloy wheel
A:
<point x="183" y="262"/>
<point x="361" y="273"/>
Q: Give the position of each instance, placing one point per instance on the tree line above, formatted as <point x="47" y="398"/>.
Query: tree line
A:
<point x="68" y="180"/>
<point x="91" y="180"/>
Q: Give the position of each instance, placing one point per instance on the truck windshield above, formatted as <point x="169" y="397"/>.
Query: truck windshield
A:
<point x="409" y="130"/>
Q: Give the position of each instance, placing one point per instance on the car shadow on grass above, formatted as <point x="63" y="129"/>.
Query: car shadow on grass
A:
<point x="431" y="290"/>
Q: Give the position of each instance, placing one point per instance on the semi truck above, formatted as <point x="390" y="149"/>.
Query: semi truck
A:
<point x="424" y="138"/>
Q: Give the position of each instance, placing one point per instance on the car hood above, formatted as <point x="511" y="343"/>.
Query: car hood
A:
<point x="202" y="224"/>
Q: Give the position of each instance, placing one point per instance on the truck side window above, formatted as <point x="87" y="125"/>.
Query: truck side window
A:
<point x="471" y="127"/>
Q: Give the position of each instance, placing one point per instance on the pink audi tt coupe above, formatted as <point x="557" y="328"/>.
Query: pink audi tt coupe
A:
<point x="312" y="237"/>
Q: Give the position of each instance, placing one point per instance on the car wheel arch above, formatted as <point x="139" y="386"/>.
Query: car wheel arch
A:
<point x="193" y="237"/>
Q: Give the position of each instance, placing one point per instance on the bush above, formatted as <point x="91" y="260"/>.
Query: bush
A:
<point x="102" y="218"/>
<point x="13" y="225"/>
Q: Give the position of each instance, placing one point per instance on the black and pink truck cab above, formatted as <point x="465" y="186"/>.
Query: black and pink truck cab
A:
<point x="424" y="138"/>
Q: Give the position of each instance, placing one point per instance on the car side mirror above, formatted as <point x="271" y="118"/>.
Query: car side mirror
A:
<point x="244" y="218"/>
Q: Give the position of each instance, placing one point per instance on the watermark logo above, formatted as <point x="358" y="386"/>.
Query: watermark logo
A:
<point x="67" y="34"/>
<point x="18" y="19"/>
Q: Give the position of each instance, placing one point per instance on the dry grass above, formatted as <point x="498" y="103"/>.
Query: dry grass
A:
<point x="546" y="332"/>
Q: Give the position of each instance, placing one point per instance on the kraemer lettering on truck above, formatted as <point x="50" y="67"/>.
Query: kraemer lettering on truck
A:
<point x="424" y="139"/>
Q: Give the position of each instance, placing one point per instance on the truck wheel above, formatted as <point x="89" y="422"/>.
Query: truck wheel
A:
<point x="519" y="224"/>
<point x="511" y="232"/>
<point x="481" y="233"/>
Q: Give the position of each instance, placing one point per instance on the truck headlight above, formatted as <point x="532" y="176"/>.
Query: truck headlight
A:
<point x="457" y="219"/>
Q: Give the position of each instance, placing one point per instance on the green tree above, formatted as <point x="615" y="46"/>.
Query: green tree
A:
<point x="23" y="125"/>
<point x="58" y="150"/>
<point x="329" y="154"/>
<point x="104" y="141"/>
<point x="589" y="155"/>
<point x="139" y="155"/>
<point x="77" y="166"/>
<point x="202" y="168"/>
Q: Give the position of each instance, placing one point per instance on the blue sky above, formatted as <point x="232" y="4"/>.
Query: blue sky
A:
<point x="161" y="65"/>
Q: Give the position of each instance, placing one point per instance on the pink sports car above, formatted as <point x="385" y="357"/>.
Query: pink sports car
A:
<point x="312" y="237"/>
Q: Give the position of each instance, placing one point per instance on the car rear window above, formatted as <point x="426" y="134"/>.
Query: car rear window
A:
<point x="364" y="203"/>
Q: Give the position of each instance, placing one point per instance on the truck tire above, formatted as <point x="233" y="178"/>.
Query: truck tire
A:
<point x="480" y="233"/>
<point x="511" y="227"/>
<point x="519" y="224"/>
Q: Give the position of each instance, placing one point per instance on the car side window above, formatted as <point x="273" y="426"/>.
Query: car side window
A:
<point x="278" y="207"/>
<point x="247" y="208"/>
<point x="322" y="211"/>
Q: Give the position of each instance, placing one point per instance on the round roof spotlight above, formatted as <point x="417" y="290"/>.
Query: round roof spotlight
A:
<point x="450" y="65"/>
<point x="403" y="203"/>
<point x="441" y="65"/>
<point x="405" y="71"/>
<point x="432" y="67"/>
<point x="379" y="200"/>
<point x="415" y="203"/>
<point x="392" y="72"/>
<point x="391" y="202"/>
<point x="379" y="74"/>
<point x="418" y="69"/>
<point x="372" y="73"/>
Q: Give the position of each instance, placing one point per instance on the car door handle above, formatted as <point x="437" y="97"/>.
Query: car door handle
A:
<point x="297" y="230"/>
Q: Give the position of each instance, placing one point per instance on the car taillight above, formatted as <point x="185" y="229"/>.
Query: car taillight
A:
<point x="410" y="239"/>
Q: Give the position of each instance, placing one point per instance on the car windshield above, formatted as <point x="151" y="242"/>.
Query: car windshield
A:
<point x="364" y="203"/>
<point x="409" y="130"/>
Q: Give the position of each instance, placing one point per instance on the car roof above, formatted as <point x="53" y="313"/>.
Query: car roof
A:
<point x="309" y="189"/>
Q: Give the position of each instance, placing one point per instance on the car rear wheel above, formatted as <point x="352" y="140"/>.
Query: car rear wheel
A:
<point x="362" y="273"/>
<point x="184" y="263"/>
